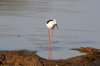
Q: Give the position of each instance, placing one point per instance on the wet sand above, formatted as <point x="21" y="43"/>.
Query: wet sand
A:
<point x="30" y="58"/>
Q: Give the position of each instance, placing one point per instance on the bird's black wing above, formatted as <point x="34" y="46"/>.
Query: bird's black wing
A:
<point x="49" y="21"/>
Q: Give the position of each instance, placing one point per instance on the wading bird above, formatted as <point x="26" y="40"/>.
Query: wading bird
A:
<point x="51" y="24"/>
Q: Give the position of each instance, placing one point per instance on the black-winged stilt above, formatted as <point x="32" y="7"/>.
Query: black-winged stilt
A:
<point x="51" y="24"/>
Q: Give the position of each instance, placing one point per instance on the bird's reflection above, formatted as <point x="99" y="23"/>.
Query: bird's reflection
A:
<point x="50" y="54"/>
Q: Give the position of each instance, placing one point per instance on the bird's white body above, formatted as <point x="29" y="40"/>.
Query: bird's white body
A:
<point x="51" y="24"/>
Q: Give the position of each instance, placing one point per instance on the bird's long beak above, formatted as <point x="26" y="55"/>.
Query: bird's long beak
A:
<point x="57" y="26"/>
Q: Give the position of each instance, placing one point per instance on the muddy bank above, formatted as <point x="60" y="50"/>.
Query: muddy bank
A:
<point x="30" y="58"/>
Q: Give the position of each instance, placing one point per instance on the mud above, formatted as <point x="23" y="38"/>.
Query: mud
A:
<point x="30" y="58"/>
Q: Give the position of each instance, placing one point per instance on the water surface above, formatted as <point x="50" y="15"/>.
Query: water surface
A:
<point x="22" y="25"/>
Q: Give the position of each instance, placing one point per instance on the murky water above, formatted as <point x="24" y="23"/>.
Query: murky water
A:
<point x="22" y="25"/>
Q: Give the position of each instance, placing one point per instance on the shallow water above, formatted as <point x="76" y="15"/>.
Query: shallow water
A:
<point x="22" y="25"/>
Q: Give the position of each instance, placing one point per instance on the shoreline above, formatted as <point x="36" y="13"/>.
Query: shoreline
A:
<point x="30" y="58"/>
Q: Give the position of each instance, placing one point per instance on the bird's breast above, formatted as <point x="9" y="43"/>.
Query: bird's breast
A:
<point x="50" y="26"/>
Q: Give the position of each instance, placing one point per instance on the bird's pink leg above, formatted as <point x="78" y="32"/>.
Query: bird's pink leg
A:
<point x="52" y="34"/>
<point x="49" y="38"/>
<point x="50" y="52"/>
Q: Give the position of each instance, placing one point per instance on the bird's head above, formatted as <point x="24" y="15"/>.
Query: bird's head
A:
<point x="55" y="23"/>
